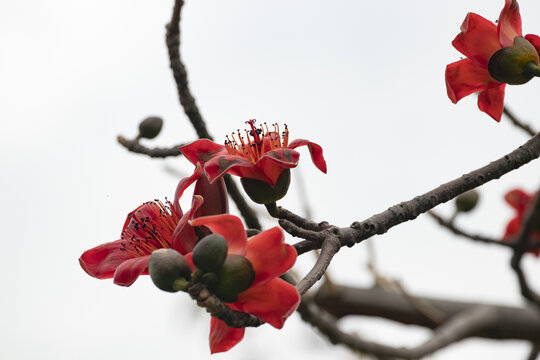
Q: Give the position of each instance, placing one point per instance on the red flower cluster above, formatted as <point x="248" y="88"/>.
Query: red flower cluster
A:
<point x="520" y="201"/>
<point x="478" y="41"/>
<point x="269" y="298"/>
<point x="262" y="154"/>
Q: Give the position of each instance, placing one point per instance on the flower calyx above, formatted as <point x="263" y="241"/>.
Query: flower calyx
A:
<point x="516" y="64"/>
<point x="169" y="270"/>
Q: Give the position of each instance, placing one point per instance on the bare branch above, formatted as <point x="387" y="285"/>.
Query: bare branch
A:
<point x="136" y="147"/>
<point x="535" y="351"/>
<point x="180" y="74"/>
<point x="329" y="248"/>
<point x="517" y="122"/>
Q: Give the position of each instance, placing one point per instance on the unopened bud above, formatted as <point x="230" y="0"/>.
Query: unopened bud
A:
<point x="467" y="201"/>
<point x="169" y="270"/>
<point x="515" y="64"/>
<point x="236" y="275"/>
<point x="150" y="127"/>
<point x="210" y="253"/>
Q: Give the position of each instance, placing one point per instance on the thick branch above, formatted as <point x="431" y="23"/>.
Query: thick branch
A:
<point x="409" y="210"/>
<point x="509" y="322"/>
<point x="219" y="310"/>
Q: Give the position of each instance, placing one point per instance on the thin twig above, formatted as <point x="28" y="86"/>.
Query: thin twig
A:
<point x="329" y="248"/>
<point x="535" y="351"/>
<point x="454" y="229"/>
<point x="136" y="147"/>
<point x="517" y="122"/>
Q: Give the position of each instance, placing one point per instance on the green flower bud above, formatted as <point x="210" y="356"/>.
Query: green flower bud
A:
<point x="467" y="201"/>
<point x="264" y="193"/>
<point x="150" y="127"/>
<point x="236" y="275"/>
<point x="515" y="64"/>
<point x="169" y="270"/>
<point x="210" y="253"/>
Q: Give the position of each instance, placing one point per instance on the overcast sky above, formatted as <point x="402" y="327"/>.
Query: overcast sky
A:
<point x="364" y="79"/>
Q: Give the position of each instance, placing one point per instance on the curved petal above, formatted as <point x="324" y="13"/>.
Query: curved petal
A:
<point x="184" y="237"/>
<point x="478" y="39"/>
<point x="273" y="162"/>
<point x="465" y="77"/>
<point x="273" y="301"/>
<point x="223" y="337"/>
<point x="534" y="40"/>
<point x="129" y="270"/>
<point x="509" y="25"/>
<point x="230" y="227"/>
<point x="491" y="101"/>
<point x="202" y="150"/>
<point x="315" y="151"/>
<point x="102" y="261"/>
<point x="234" y="165"/>
<point x="512" y="228"/>
<point x="269" y="255"/>
<point x="183" y="185"/>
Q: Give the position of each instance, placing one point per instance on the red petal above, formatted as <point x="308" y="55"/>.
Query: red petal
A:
<point x="201" y="151"/>
<point x="478" y="39"/>
<point x="230" y="227"/>
<point x="129" y="270"/>
<point x="183" y="185"/>
<point x="534" y="40"/>
<point x="465" y="77"/>
<point x="518" y="199"/>
<point x="273" y="301"/>
<point x="102" y="261"/>
<point x="315" y="151"/>
<point x="273" y="162"/>
<point x="509" y="25"/>
<point x="491" y="101"/>
<point x="234" y="165"/>
<point x="223" y="337"/>
<point x="268" y="254"/>
<point x="513" y="227"/>
<point x="184" y="237"/>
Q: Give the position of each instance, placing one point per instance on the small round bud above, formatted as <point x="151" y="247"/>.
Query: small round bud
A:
<point x="150" y="127"/>
<point x="210" y="279"/>
<point x="512" y="64"/>
<point x="467" y="201"/>
<point x="236" y="275"/>
<point x="210" y="253"/>
<point x="169" y="270"/>
<point x="264" y="193"/>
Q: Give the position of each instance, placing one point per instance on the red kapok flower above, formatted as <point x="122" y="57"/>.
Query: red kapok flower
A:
<point x="478" y="41"/>
<point x="520" y="201"/>
<point x="262" y="154"/>
<point x="153" y="225"/>
<point x="269" y="298"/>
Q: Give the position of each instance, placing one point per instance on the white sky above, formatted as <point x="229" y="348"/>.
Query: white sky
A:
<point x="364" y="79"/>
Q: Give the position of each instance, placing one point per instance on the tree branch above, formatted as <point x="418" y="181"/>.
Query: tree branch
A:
<point x="219" y="310"/>
<point x="518" y="123"/>
<point x="136" y="147"/>
<point x="529" y="223"/>
<point x="380" y="223"/>
<point x="187" y="100"/>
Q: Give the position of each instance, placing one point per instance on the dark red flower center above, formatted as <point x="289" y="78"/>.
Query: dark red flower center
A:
<point x="257" y="141"/>
<point x="149" y="228"/>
